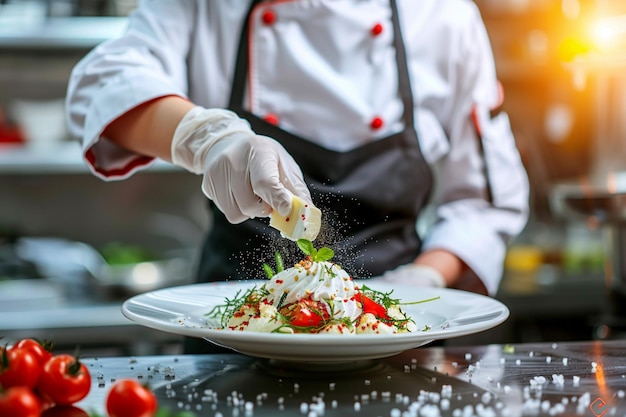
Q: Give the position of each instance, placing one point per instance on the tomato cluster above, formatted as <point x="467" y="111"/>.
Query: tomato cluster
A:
<point x="34" y="382"/>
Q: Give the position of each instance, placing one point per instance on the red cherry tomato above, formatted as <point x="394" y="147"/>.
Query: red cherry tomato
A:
<point x="128" y="398"/>
<point x="64" y="380"/>
<point x="41" y="350"/>
<point x="19" y="402"/>
<point x="18" y="367"/>
<point x="64" y="411"/>
<point x="371" y="306"/>
<point x="307" y="313"/>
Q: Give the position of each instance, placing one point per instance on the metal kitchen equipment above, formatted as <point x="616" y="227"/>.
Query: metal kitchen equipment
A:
<point x="600" y="197"/>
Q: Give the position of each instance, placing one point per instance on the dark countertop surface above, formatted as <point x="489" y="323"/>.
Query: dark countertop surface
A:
<point x="530" y="379"/>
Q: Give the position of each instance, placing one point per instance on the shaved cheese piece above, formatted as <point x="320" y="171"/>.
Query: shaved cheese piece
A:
<point x="303" y="222"/>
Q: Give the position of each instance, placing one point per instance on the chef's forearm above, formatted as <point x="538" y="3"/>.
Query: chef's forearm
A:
<point x="148" y="128"/>
<point x="449" y="265"/>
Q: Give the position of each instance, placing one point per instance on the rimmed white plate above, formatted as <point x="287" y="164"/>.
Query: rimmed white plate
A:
<point x="183" y="310"/>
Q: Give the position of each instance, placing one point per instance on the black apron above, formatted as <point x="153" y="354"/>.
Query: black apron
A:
<point x="370" y="197"/>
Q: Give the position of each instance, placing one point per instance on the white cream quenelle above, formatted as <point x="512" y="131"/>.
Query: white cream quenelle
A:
<point x="320" y="281"/>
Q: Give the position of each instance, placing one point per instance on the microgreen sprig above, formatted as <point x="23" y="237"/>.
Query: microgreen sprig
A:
<point x="225" y="311"/>
<point x="280" y="266"/>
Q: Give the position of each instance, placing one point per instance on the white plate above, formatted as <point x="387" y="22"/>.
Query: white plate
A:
<point x="182" y="310"/>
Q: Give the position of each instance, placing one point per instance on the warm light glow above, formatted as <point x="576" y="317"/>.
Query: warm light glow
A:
<point x="570" y="8"/>
<point x="600" y="377"/>
<point x="609" y="33"/>
<point x="600" y="35"/>
<point x="611" y="183"/>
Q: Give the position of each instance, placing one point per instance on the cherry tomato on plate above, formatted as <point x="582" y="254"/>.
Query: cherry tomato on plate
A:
<point x="41" y="350"/>
<point x="18" y="367"/>
<point x="307" y="313"/>
<point x="64" y="380"/>
<point x="19" y="402"/>
<point x="371" y="306"/>
<point x="128" y="398"/>
<point x="64" y="411"/>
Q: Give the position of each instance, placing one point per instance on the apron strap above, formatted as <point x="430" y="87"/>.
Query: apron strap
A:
<point x="241" y="63"/>
<point x="404" y="80"/>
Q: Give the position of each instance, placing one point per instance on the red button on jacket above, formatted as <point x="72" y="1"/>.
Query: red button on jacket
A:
<point x="377" y="29"/>
<point x="376" y="123"/>
<point x="268" y="17"/>
<point x="271" y="118"/>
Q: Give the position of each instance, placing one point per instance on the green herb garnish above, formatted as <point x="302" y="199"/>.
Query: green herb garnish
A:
<point x="225" y="311"/>
<point x="322" y="255"/>
<point x="280" y="267"/>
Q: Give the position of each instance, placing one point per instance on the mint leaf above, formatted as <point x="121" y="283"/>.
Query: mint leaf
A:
<point x="306" y="246"/>
<point x="324" y="254"/>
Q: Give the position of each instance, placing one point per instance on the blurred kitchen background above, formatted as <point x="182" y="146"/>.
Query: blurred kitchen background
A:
<point x="72" y="247"/>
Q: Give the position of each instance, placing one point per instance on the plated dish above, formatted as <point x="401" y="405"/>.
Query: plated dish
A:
<point x="184" y="310"/>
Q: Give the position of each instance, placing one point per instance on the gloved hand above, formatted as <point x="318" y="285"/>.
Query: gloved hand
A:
<point x="245" y="174"/>
<point x="412" y="274"/>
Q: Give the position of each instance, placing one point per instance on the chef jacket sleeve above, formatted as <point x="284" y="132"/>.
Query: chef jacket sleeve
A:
<point x="481" y="187"/>
<point x="145" y="63"/>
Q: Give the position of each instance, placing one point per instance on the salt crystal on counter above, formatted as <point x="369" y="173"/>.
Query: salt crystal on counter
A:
<point x="558" y="379"/>
<point x="445" y="404"/>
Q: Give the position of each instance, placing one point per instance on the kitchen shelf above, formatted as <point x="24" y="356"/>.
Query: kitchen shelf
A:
<point x="61" y="33"/>
<point x="58" y="158"/>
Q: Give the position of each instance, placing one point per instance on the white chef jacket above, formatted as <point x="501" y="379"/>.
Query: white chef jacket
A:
<point x="325" y="71"/>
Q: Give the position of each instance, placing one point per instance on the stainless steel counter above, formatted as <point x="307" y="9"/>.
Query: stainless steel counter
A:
<point x="543" y="379"/>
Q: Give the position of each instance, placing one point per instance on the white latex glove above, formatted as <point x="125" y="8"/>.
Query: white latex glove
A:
<point x="245" y="174"/>
<point x="411" y="274"/>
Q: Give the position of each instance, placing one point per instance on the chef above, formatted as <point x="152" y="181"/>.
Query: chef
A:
<point x="382" y="113"/>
